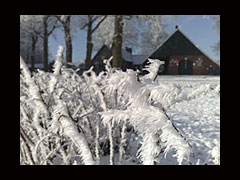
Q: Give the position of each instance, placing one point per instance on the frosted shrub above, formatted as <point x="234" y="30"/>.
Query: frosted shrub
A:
<point x="148" y="120"/>
<point x="52" y="111"/>
<point x="70" y="119"/>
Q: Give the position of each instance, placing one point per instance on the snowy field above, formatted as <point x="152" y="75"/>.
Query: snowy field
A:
<point x="198" y="118"/>
<point x="186" y="79"/>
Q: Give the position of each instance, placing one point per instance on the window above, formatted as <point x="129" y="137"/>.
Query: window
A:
<point x="103" y="57"/>
<point x="172" y="62"/>
<point x="97" y="63"/>
<point x="199" y="62"/>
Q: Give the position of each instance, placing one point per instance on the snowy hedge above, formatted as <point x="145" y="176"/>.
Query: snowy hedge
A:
<point x="66" y="118"/>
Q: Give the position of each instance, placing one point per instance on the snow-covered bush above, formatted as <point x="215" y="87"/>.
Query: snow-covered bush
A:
<point x="52" y="111"/>
<point x="148" y="119"/>
<point x="70" y="119"/>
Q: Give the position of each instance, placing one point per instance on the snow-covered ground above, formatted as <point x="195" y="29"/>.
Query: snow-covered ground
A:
<point x="198" y="118"/>
<point x="186" y="79"/>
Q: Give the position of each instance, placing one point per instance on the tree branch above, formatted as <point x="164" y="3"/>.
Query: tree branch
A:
<point x="25" y="137"/>
<point x="85" y="25"/>
<point x="29" y="155"/>
<point x="51" y="31"/>
<point x="98" y="24"/>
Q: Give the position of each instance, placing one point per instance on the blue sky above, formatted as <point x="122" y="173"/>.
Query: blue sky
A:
<point x="198" y="29"/>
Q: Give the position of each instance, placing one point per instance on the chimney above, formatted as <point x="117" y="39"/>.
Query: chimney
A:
<point x="176" y="27"/>
<point x="128" y="49"/>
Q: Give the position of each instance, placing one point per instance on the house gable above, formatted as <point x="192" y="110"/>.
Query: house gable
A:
<point x="176" y="45"/>
<point x="103" y="53"/>
<point x="97" y="61"/>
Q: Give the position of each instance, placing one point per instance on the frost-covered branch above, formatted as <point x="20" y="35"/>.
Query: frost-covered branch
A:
<point x="103" y="106"/>
<point x="152" y="69"/>
<point x="122" y="141"/>
<point x="35" y="96"/>
<point x="72" y="132"/>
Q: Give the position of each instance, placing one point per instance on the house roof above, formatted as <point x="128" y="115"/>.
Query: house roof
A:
<point x="135" y="59"/>
<point x="178" y="30"/>
<point x="36" y="65"/>
<point x="99" y="51"/>
<point x="197" y="47"/>
<point x="139" y="59"/>
<point x="127" y="56"/>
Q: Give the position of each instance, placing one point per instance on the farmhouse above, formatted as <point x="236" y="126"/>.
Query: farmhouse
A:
<point x="130" y="61"/>
<point x="183" y="57"/>
<point x="180" y="54"/>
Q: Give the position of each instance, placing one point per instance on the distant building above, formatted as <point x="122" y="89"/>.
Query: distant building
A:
<point x="130" y="60"/>
<point x="81" y="68"/>
<point x="97" y="61"/>
<point x="78" y="66"/>
<point x="183" y="57"/>
<point x="180" y="54"/>
<point x="36" y="65"/>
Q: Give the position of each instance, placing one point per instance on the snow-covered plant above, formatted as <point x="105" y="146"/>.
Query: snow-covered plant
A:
<point x="53" y="108"/>
<point x="70" y="119"/>
<point x="152" y="69"/>
<point x="148" y="120"/>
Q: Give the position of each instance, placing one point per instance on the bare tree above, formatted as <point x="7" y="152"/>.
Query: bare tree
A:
<point x="65" y="20"/>
<point x="32" y="27"/>
<point x="89" y="24"/>
<point x="216" y="26"/>
<point x="142" y="32"/>
<point x="49" y="25"/>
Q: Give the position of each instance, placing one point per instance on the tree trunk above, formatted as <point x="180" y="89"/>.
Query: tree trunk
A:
<point x="117" y="42"/>
<point x="90" y="31"/>
<point x="45" y="44"/>
<point x="89" y="44"/>
<point x="34" y="40"/>
<point x="68" y="41"/>
<point x="88" y="55"/>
